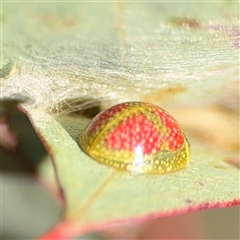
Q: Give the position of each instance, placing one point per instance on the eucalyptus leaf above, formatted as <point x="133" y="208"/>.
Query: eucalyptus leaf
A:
<point x="64" y="57"/>
<point x="96" y="194"/>
<point x="64" y="53"/>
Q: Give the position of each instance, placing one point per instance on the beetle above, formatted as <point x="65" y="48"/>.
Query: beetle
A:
<point x="138" y="137"/>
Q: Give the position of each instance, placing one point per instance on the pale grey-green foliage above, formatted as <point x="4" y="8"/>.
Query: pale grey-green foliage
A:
<point x="65" y="56"/>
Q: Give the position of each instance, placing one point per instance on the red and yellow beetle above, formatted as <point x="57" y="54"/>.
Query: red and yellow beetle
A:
<point x="138" y="137"/>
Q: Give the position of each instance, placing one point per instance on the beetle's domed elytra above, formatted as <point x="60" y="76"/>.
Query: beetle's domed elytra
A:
<point x="138" y="137"/>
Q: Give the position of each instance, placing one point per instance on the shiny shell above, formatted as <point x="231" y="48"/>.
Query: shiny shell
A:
<point x="138" y="137"/>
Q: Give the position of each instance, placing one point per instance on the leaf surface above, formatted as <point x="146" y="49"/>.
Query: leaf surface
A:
<point x="63" y="57"/>
<point x="63" y="54"/>
<point x="96" y="194"/>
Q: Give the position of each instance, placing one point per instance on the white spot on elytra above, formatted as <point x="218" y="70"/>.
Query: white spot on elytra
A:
<point x="138" y="155"/>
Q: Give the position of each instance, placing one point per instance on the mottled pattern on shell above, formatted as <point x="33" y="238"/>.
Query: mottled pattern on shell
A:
<point x="138" y="137"/>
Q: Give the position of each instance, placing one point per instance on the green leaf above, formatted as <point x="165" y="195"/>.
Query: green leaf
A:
<point x="64" y="57"/>
<point x="62" y="54"/>
<point x="96" y="194"/>
<point x="27" y="209"/>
